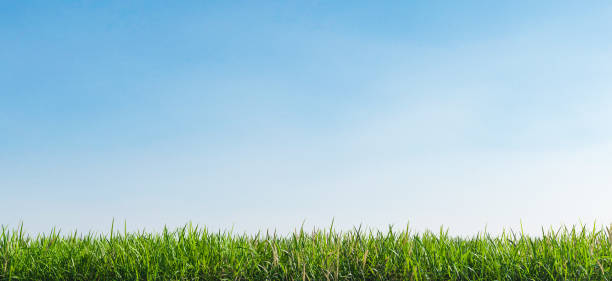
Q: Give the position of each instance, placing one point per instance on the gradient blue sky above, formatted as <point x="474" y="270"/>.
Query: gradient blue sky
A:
<point x="267" y="114"/>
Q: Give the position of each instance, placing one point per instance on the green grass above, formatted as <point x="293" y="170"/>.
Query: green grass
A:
<point x="192" y="253"/>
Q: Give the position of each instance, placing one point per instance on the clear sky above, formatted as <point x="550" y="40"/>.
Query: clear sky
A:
<point x="269" y="114"/>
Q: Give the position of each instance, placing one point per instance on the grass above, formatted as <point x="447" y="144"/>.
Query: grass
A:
<point x="192" y="253"/>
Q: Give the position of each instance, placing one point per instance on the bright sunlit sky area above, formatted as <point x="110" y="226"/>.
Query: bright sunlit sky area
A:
<point x="258" y="115"/>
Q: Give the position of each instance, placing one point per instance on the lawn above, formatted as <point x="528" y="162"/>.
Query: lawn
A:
<point x="195" y="253"/>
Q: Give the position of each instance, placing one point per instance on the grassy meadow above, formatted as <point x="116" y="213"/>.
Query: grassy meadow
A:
<point x="193" y="253"/>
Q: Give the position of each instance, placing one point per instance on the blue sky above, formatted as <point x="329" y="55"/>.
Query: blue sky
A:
<point x="260" y="114"/>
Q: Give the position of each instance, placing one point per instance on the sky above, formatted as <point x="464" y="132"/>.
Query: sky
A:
<point x="270" y="115"/>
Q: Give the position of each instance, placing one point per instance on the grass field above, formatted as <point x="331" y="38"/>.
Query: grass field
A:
<point x="191" y="253"/>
